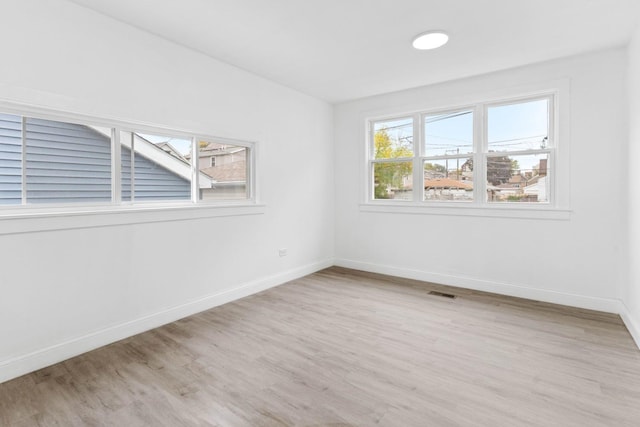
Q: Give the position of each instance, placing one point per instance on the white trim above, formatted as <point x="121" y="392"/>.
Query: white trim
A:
<point x="132" y="167"/>
<point x="632" y="324"/>
<point x="116" y="166"/>
<point x="468" y="208"/>
<point x="195" y="168"/>
<point x="20" y="365"/>
<point x="608" y="305"/>
<point x="23" y="364"/>
<point x="108" y="215"/>
<point x="68" y="116"/>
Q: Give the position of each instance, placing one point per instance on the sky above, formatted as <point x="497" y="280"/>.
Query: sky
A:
<point x="512" y="127"/>
<point x="182" y="145"/>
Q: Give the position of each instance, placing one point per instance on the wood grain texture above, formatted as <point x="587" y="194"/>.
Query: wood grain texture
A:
<point x="344" y="348"/>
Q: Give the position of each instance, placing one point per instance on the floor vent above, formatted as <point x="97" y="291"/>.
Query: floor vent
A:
<point x="441" y="294"/>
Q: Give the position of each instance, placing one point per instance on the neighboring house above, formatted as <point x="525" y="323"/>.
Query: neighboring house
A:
<point x="227" y="166"/>
<point x="447" y="189"/>
<point x="537" y="187"/>
<point x="67" y="162"/>
<point x="170" y="149"/>
<point x="532" y="186"/>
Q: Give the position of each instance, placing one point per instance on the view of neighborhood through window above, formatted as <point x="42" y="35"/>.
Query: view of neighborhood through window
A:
<point x="447" y="174"/>
<point x="161" y="167"/>
<point x="393" y="140"/>
<point x="522" y="131"/>
<point x="53" y="162"/>
<point x="515" y="152"/>
<point x="10" y="159"/>
<point x="46" y="161"/>
<point x="224" y="168"/>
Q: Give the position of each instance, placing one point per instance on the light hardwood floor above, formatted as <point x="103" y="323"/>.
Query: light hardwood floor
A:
<point x="345" y="348"/>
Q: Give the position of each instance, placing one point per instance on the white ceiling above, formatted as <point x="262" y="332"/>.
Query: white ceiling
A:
<point x="339" y="50"/>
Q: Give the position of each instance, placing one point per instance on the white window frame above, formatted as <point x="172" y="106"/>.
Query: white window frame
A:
<point x="26" y="217"/>
<point x="480" y="206"/>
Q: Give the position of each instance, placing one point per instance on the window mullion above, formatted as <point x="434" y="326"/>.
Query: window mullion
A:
<point x="418" y="144"/>
<point x="479" y="156"/>
<point x="195" y="171"/>
<point x="132" y="168"/>
<point x="370" y="155"/>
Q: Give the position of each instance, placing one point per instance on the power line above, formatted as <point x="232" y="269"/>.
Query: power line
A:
<point x="434" y="119"/>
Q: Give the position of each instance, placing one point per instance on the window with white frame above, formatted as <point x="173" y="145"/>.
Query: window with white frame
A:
<point x="484" y="154"/>
<point x="53" y="162"/>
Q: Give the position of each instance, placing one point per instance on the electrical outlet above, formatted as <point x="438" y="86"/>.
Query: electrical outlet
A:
<point x="282" y="252"/>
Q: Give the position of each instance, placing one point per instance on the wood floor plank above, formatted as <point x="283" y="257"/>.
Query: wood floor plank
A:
<point x="345" y="348"/>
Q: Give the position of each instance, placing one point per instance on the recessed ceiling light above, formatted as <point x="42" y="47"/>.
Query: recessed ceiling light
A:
<point x="430" y="40"/>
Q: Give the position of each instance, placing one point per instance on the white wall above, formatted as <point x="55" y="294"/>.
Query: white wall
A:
<point x="579" y="261"/>
<point x="632" y="290"/>
<point x="65" y="291"/>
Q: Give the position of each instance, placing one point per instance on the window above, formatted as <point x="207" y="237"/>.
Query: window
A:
<point x="519" y="150"/>
<point x="485" y="154"/>
<point x="50" y="162"/>
<point x="392" y="165"/>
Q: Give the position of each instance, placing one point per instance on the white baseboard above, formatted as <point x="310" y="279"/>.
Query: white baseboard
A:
<point x="633" y="325"/>
<point x="39" y="359"/>
<point x="600" y="304"/>
<point x="15" y="367"/>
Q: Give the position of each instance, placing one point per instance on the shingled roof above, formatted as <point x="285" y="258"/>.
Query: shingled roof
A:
<point x="447" y="183"/>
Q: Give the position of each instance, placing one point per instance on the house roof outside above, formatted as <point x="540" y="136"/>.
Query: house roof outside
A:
<point x="447" y="183"/>
<point x="165" y="155"/>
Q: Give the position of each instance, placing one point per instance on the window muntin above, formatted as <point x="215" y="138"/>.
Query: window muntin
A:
<point x="52" y="162"/>
<point x="512" y="144"/>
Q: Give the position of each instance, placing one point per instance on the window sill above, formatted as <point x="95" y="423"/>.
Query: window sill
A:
<point x="29" y="220"/>
<point x="464" y="209"/>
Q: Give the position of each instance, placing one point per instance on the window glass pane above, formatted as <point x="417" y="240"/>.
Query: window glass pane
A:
<point x="393" y="139"/>
<point x="523" y="126"/>
<point x="161" y="167"/>
<point x="450" y="133"/>
<point x="67" y="162"/>
<point x="393" y="180"/>
<point x="223" y="171"/>
<point x="449" y="179"/>
<point x="10" y="159"/>
<point x="518" y="178"/>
